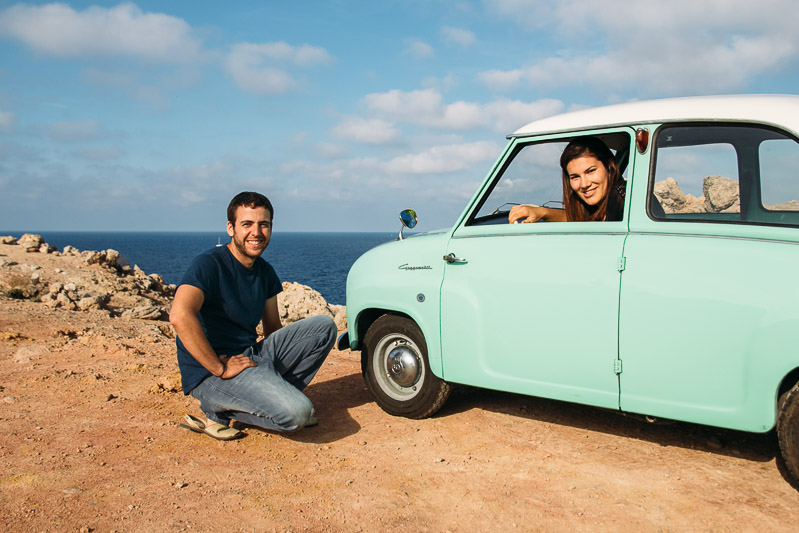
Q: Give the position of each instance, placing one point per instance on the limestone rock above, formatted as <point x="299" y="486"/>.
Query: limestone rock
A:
<point x="340" y="316"/>
<point x="673" y="200"/>
<point x="721" y="195"/>
<point x="146" y="312"/>
<point x="91" y="302"/>
<point x="31" y="241"/>
<point x="109" y="258"/>
<point x="300" y="301"/>
<point x="8" y="239"/>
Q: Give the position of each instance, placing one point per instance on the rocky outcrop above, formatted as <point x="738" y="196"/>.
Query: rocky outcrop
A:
<point x="300" y="301"/>
<point x="673" y="200"/>
<point x="719" y="195"/>
<point x="103" y="281"/>
<point x="80" y="281"/>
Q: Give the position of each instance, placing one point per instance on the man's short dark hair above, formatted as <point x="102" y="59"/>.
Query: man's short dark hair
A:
<point x="248" y="199"/>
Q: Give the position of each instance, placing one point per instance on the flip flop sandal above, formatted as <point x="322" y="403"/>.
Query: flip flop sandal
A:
<point x="213" y="430"/>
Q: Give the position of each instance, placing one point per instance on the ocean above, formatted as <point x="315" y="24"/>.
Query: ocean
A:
<point x="320" y="260"/>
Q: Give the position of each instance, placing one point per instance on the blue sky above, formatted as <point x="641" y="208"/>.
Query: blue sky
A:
<point x="152" y="115"/>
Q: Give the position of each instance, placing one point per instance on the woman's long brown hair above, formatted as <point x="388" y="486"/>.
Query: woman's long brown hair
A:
<point x="576" y="209"/>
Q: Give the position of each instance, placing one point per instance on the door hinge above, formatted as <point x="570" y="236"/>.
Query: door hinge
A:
<point x="622" y="263"/>
<point x="617" y="366"/>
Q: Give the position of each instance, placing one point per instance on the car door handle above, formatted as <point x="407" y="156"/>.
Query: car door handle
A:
<point x="452" y="259"/>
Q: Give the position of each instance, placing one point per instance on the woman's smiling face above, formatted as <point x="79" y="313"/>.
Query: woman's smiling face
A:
<point x="588" y="178"/>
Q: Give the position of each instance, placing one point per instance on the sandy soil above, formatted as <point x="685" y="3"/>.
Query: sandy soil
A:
<point x="90" y="442"/>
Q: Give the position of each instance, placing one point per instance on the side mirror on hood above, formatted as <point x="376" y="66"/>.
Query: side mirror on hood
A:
<point x="408" y="219"/>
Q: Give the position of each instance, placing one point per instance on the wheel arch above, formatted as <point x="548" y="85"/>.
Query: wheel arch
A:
<point x="365" y="319"/>
<point x="368" y="316"/>
<point x="787" y="383"/>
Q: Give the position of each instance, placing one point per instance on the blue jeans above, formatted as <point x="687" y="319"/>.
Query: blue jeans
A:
<point x="268" y="395"/>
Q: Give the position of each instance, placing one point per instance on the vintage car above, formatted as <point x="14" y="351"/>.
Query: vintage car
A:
<point x="685" y="309"/>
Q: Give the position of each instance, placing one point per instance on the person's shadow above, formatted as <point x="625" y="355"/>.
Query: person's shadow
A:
<point x="332" y="400"/>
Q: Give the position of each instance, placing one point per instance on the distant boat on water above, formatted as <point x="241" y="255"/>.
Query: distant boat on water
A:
<point x="219" y="242"/>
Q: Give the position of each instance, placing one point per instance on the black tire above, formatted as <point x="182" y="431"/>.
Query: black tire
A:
<point x="788" y="429"/>
<point x="397" y="372"/>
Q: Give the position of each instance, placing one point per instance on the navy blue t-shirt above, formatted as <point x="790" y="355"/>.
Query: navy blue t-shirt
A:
<point x="235" y="298"/>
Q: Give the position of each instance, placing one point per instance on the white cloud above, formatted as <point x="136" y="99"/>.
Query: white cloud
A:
<point x="61" y="31"/>
<point x="329" y="150"/>
<point x="679" y="47"/>
<point x="82" y="130"/>
<point x="419" y="49"/>
<point x="259" y="68"/>
<point x="509" y="115"/>
<point x="399" y="104"/>
<point x="458" y="36"/>
<point x="7" y="121"/>
<point x="444" y="159"/>
<point x="501" y="80"/>
<point x="366" y="130"/>
<point x="443" y="84"/>
<point x="304" y="55"/>
<point x="426" y="108"/>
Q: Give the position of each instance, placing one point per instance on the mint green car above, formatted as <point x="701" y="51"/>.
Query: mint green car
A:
<point x="686" y="309"/>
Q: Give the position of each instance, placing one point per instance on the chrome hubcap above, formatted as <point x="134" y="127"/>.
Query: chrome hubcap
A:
<point x="402" y="366"/>
<point x="398" y="367"/>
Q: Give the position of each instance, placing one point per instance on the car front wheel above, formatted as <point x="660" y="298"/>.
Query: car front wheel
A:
<point x="397" y="371"/>
<point x="788" y="429"/>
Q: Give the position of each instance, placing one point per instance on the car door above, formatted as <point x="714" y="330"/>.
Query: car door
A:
<point x="533" y="308"/>
<point x="708" y="315"/>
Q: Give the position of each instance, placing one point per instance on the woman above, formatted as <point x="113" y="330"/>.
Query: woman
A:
<point x="593" y="189"/>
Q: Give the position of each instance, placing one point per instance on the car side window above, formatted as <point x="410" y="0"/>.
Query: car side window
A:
<point x="532" y="175"/>
<point x="778" y="183"/>
<point x="725" y="174"/>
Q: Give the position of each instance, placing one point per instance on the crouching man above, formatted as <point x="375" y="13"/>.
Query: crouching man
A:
<point x="223" y="295"/>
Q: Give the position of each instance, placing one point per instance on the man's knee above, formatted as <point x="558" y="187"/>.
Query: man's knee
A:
<point x="294" y="416"/>
<point x="324" y="324"/>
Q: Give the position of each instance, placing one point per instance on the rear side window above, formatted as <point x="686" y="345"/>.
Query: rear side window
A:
<point x="727" y="174"/>
<point x="779" y="183"/>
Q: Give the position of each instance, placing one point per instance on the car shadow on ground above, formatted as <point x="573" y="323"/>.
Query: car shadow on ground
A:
<point x="757" y="447"/>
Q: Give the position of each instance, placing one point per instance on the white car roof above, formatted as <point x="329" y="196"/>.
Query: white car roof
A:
<point x="777" y="110"/>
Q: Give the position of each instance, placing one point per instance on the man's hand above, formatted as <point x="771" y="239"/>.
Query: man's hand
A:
<point x="235" y="365"/>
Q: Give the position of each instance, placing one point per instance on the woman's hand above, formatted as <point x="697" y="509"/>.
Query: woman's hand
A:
<point x="527" y="213"/>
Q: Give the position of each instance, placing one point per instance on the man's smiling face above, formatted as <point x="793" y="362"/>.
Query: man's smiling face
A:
<point x="250" y="233"/>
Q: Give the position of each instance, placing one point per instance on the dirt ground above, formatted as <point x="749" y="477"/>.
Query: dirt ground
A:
<point x="90" y="441"/>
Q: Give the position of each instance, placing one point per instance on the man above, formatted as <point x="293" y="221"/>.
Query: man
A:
<point x="224" y="293"/>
